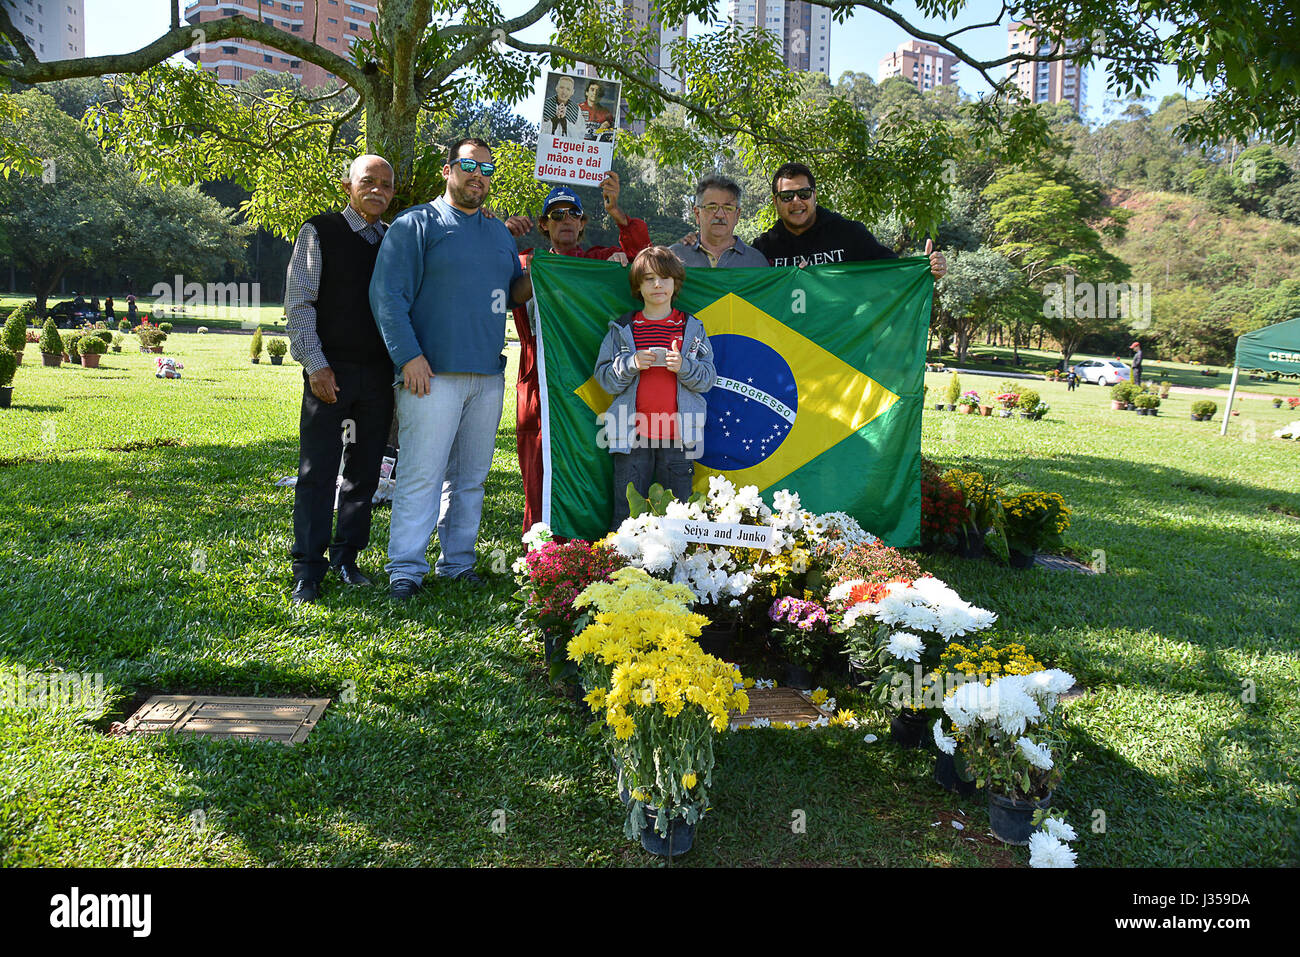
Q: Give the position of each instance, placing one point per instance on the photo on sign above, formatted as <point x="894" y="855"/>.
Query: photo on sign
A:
<point x="580" y="108"/>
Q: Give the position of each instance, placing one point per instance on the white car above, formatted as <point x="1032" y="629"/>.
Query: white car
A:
<point x="1101" y="371"/>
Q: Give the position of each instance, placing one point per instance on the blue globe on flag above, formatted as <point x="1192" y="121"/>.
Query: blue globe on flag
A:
<point x="752" y="406"/>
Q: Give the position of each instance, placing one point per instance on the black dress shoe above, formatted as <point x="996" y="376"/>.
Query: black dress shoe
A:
<point x="305" y="592"/>
<point x="403" y="589"/>
<point x="352" y="575"/>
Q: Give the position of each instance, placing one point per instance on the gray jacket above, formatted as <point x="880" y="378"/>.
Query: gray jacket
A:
<point x="617" y="374"/>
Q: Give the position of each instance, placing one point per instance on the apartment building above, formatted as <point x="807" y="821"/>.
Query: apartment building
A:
<point x="332" y="24"/>
<point x="54" y="29"/>
<point x="924" y="64"/>
<point x="804" y="31"/>
<point x="1045" y="82"/>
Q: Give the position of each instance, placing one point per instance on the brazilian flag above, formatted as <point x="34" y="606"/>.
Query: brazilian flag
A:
<point x="820" y="385"/>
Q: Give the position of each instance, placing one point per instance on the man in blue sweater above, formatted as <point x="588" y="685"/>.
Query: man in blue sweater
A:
<point x="443" y="286"/>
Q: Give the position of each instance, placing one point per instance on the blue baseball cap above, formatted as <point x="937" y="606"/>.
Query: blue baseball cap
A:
<point x="562" y="194"/>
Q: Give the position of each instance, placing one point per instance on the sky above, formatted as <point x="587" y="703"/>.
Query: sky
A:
<point x="119" y="26"/>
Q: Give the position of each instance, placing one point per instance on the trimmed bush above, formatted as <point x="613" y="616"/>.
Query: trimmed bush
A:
<point x="1029" y="400"/>
<point x="91" y="346"/>
<point x="123" y="325"/>
<point x="1147" y="401"/>
<point x="166" y="327"/>
<point x="277" y="347"/>
<point x="954" y="389"/>
<point x="1123" y="392"/>
<point x="26" y="311"/>
<point x="255" y="347"/>
<point x="1204" y="407"/>
<point x="72" y="346"/>
<point x="51" y="342"/>
<point x="8" y="366"/>
<point x="15" y="333"/>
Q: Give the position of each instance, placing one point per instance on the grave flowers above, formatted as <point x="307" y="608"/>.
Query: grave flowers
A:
<point x="662" y="700"/>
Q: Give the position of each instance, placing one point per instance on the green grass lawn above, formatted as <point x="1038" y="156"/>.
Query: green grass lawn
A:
<point x="141" y="537"/>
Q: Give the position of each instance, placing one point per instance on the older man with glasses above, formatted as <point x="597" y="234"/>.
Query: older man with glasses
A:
<point x="808" y="234"/>
<point x="717" y="210"/>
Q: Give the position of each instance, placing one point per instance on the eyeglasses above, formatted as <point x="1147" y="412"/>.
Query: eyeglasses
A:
<point x="469" y="165"/>
<point x="712" y="208"/>
<point x="788" y="194"/>
<point x="560" y="215"/>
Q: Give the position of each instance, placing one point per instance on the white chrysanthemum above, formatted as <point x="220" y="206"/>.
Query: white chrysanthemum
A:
<point x="862" y="608"/>
<point x="846" y="529"/>
<point x="892" y="609"/>
<point x="971" y="702"/>
<point x="921" y="618"/>
<point x="656" y="557"/>
<point x="905" y="646"/>
<point x="1049" y="683"/>
<point x="1040" y="756"/>
<point x="761" y="723"/>
<point x="538" y="536"/>
<point x="944" y="743"/>
<point x="1059" y="829"/>
<point x="841" y="591"/>
<point x="740" y="583"/>
<point x="934" y="590"/>
<point x="786" y="502"/>
<point x="1016" y="707"/>
<point x="684" y="510"/>
<point x="730" y="514"/>
<point x="1046" y="851"/>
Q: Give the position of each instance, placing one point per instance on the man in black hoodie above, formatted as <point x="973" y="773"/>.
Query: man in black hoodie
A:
<point x="808" y="234"/>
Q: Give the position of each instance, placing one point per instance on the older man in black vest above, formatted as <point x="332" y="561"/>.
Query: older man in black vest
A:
<point x="347" y="402"/>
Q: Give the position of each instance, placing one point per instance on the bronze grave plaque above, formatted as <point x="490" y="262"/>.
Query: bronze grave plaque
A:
<point x="288" y="720"/>
<point x="778" y="704"/>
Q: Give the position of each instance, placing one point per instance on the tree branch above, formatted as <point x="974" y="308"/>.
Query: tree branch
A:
<point x="170" y="43"/>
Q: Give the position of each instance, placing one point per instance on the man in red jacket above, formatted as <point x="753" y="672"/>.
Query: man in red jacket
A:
<point x="563" y="223"/>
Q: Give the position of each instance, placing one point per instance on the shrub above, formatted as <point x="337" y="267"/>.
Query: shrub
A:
<point x="255" y="347"/>
<point x="1204" y="407"/>
<point x="1123" y="392"/>
<point x="954" y="390"/>
<point x="26" y="311"/>
<point x="15" y="334"/>
<point x="71" y="345"/>
<point x="123" y="326"/>
<point x="1035" y="520"/>
<point x="51" y="341"/>
<point x="8" y="366"/>
<point x="1029" y="400"/>
<point x="150" y="336"/>
<point x="1146" y="401"/>
<point x="277" y="347"/>
<point x="1277" y="401"/>
<point x="166" y="327"/>
<point x="92" y="345"/>
<point x="1164" y="389"/>
<point x="104" y="334"/>
<point x="118" y="339"/>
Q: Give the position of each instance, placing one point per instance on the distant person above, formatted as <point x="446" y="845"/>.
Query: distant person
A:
<point x="94" y="305"/>
<point x="109" y="314"/>
<point x="1137" y="363"/>
<point x="130" y="307"/>
<point x="1071" y="380"/>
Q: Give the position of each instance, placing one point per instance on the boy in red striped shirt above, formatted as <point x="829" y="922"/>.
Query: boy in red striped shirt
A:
<point x="657" y="363"/>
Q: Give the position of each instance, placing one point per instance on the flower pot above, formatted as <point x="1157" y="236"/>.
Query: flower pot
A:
<point x="1116" y="406"/>
<point x="965" y="409"/>
<point x="256" y="359"/>
<point x="907" y="728"/>
<point x="66" y="358"/>
<point x="51" y="359"/>
<point x="679" y="840"/>
<point x="90" y="360"/>
<point x="938" y="407"/>
<point x="716" y="639"/>
<point x="945" y="775"/>
<point x="858" y="673"/>
<point x="117" y="348"/>
<point x="1005" y="413"/>
<point x="1026" y="415"/>
<point x="1020" y="559"/>
<point x="6" y="396"/>
<point x="951" y="406"/>
<point x="277" y="360"/>
<point x="156" y="349"/>
<point x="798" y="677"/>
<point x="1012" y="821"/>
<point x="969" y="544"/>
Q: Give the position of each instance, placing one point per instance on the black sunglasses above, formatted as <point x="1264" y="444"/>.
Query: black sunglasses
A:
<point x="788" y="194"/>
<point x="560" y="215"/>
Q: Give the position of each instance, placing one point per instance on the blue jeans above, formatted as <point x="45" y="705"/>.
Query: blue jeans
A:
<point x="447" y="438"/>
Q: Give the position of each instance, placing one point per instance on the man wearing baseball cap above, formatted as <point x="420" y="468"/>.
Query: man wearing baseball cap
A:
<point x="562" y="224"/>
<point x="1137" y="363"/>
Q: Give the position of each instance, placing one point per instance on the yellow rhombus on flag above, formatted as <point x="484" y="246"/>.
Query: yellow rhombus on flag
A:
<point x="835" y="399"/>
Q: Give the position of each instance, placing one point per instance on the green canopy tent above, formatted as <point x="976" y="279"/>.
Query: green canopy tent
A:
<point x="1273" y="349"/>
